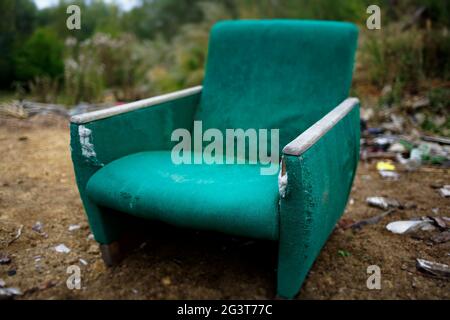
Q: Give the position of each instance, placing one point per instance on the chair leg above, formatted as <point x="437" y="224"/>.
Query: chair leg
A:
<point x="113" y="253"/>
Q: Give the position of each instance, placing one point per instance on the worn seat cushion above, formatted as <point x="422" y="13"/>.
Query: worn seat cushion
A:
<point x="234" y="199"/>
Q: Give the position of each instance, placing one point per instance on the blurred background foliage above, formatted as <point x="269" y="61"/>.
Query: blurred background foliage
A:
<point x="160" y="46"/>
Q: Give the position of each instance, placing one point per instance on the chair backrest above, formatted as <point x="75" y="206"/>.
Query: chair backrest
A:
<point x="276" y="74"/>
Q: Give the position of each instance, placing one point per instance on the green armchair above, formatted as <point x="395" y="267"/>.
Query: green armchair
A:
<point x="289" y="75"/>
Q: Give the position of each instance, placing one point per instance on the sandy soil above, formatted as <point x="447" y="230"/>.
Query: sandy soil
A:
<point x="37" y="184"/>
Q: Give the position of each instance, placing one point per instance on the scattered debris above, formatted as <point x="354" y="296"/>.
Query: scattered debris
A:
<point x="386" y="170"/>
<point x="385" y="166"/>
<point x="74" y="227"/>
<point x="390" y="175"/>
<point x="371" y="220"/>
<point x="83" y="262"/>
<point x="445" y="191"/>
<point x="4" y="259"/>
<point x="93" y="249"/>
<point x="441" y="237"/>
<point x="39" y="228"/>
<point x="9" y="293"/>
<point x="437" y="269"/>
<point x="436" y="139"/>
<point x="61" y="248"/>
<point x="18" y="234"/>
<point x="382" y="202"/>
<point x="12" y="272"/>
<point x="407" y="226"/>
<point x="397" y="147"/>
<point x="441" y="222"/>
<point x="413" y="162"/>
<point x="2" y="283"/>
<point x="46" y="285"/>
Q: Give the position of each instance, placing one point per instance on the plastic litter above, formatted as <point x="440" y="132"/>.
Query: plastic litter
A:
<point x="445" y="191"/>
<point x="385" y="166"/>
<point x="9" y="293"/>
<point x="74" y="227"/>
<point x="61" y="248"/>
<point x="407" y="226"/>
<point x="4" y="259"/>
<point x="437" y="269"/>
<point x="390" y="175"/>
<point x="382" y="202"/>
<point x="441" y="237"/>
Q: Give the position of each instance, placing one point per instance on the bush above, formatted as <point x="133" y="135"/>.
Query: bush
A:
<point x="40" y="56"/>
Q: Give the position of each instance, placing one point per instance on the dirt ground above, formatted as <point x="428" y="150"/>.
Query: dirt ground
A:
<point x="37" y="184"/>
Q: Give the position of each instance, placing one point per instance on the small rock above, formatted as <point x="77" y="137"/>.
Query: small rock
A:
<point x="382" y="203"/>
<point x="93" y="249"/>
<point x="420" y="103"/>
<point x="74" y="227"/>
<point x="445" y="191"/>
<point x="4" y="259"/>
<point x="166" y="281"/>
<point x="61" y="248"/>
<point x="9" y="293"/>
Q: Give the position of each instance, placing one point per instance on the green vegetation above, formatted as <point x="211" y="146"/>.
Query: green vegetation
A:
<point x="161" y="46"/>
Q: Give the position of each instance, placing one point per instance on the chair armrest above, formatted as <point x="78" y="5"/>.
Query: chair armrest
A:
<point x="102" y="136"/>
<point x="304" y="141"/>
<point x="319" y="167"/>
<point x="144" y="103"/>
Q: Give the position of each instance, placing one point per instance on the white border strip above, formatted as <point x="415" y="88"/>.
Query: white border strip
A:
<point x="109" y="112"/>
<point x="304" y="141"/>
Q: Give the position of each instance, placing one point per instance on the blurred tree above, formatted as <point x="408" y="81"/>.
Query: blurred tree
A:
<point x="164" y="17"/>
<point x="41" y="55"/>
<point x="17" y="22"/>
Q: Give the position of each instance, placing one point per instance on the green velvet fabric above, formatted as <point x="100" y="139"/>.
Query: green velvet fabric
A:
<point x="233" y="199"/>
<point x="319" y="183"/>
<point x="283" y="74"/>
<point x="121" y="135"/>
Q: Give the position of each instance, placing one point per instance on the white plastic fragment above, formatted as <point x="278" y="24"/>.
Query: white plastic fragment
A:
<point x="61" y="248"/>
<point x="445" y="191"/>
<point x="437" y="269"/>
<point x="383" y="203"/>
<point x="38" y="227"/>
<point x="406" y="226"/>
<point x="83" y="262"/>
<point x="391" y="175"/>
<point x="413" y="162"/>
<point x="8" y="293"/>
<point x="2" y="283"/>
<point x="74" y="227"/>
